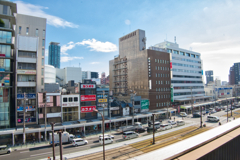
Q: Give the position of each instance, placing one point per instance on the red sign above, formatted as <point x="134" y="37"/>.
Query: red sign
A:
<point x="2" y="55"/>
<point x="88" y="98"/>
<point x="87" y="109"/>
<point x="88" y="86"/>
<point x="170" y="65"/>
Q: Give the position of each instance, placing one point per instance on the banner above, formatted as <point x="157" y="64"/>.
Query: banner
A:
<point x="88" y="98"/>
<point x="102" y="100"/>
<point x="88" y="86"/>
<point x="87" y="109"/>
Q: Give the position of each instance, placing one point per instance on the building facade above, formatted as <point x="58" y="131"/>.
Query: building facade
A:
<point x="54" y="54"/>
<point x="209" y="76"/>
<point x="7" y="64"/>
<point x="186" y="72"/>
<point x="234" y="74"/>
<point x="30" y="61"/>
<point x="49" y="74"/>
<point x="89" y="75"/>
<point x="145" y="71"/>
<point x="67" y="74"/>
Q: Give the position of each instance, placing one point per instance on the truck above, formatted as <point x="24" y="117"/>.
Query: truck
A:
<point x="130" y="128"/>
<point x="66" y="138"/>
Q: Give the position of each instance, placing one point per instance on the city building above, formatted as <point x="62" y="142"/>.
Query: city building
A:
<point x="103" y="102"/>
<point x="209" y="76"/>
<point x="143" y="71"/>
<point x="224" y="83"/>
<point x="234" y="74"/>
<point x="186" y="73"/>
<point x="49" y="74"/>
<point x="30" y="61"/>
<point x="54" y="54"/>
<point x="103" y="78"/>
<point x="67" y="74"/>
<point x="7" y="64"/>
<point x="89" y="75"/>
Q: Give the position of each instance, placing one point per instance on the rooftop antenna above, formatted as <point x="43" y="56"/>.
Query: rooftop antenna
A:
<point x="175" y="39"/>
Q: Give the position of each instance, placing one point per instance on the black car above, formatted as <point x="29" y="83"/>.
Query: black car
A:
<point x="196" y="115"/>
<point x="232" y="108"/>
<point x="140" y="130"/>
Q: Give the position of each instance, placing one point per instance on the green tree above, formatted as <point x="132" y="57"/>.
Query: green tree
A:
<point x="1" y="23"/>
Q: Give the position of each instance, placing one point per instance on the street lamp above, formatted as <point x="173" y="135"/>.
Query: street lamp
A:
<point x="95" y="110"/>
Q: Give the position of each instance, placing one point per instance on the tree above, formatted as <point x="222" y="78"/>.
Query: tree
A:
<point x="1" y="23"/>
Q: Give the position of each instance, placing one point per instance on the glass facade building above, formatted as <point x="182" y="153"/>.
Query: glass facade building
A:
<point x="54" y="54"/>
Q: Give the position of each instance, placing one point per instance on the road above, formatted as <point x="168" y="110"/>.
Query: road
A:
<point x="44" y="152"/>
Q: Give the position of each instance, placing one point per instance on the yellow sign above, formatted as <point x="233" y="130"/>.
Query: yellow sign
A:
<point x="102" y="100"/>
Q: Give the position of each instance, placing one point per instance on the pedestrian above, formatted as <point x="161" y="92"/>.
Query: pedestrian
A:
<point x="174" y="118"/>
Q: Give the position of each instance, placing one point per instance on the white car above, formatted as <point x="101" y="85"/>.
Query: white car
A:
<point x="106" y="135"/>
<point x="107" y="140"/>
<point x="4" y="149"/>
<point x="172" y="122"/>
<point x="79" y="141"/>
<point x="165" y="126"/>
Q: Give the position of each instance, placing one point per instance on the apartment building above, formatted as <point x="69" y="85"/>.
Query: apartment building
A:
<point x="30" y="61"/>
<point x="7" y="40"/>
<point x="145" y="71"/>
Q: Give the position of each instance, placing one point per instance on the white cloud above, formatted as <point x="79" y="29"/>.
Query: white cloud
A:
<point x="94" y="62"/>
<point x="35" y="10"/>
<point x="66" y="59"/>
<point x="67" y="47"/>
<point x="127" y="22"/>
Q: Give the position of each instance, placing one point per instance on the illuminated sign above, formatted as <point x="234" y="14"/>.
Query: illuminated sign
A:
<point x="88" y="98"/>
<point x="87" y="109"/>
<point x="102" y="100"/>
<point x="88" y="86"/>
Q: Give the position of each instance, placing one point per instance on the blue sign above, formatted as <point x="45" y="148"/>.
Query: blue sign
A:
<point x="27" y="120"/>
<point x="101" y="96"/>
<point x="21" y="96"/>
<point x="28" y="108"/>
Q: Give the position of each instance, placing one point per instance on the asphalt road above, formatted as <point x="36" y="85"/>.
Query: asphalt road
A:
<point x="44" y="152"/>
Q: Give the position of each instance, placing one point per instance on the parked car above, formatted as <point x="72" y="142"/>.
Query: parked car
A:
<point x="106" y="135"/>
<point x="172" y="122"/>
<point x="129" y="135"/>
<point x="140" y="130"/>
<point x="4" y="149"/>
<point x="165" y="126"/>
<point x="183" y="114"/>
<point x="107" y="140"/>
<point x="232" y="108"/>
<point x="237" y="106"/>
<point x="180" y="123"/>
<point x="196" y="115"/>
<point x="213" y="118"/>
<point x="227" y="110"/>
<point x="218" y="109"/>
<point x="79" y="141"/>
<point x="156" y="124"/>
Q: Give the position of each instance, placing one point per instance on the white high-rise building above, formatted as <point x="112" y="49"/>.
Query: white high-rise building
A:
<point x="186" y="72"/>
<point x="67" y="74"/>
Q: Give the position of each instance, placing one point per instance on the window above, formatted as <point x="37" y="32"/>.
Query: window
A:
<point x="197" y="56"/>
<point x="156" y="67"/>
<point x="192" y="55"/>
<point x="156" y="89"/>
<point x="157" y="104"/>
<point x="175" y="52"/>
<point x="161" y="82"/>
<point x="43" y="52"/>
<point x="182" y="53"/>
<point x="156" y="96"/>
<point x="26" y="54"/>
<point x="158" y="60"/>
<point x="64" y="99"/>
<point x="19" y="30"/>
<point x="187" y="54"/>
<point x="5" y="9"/>
<point x="43" y="34"/>
<point x="156" y="74"/>
<point x="42" y="81"/>
<point x="156" y="82"/>
<point x="28" y="66"/>
<point x="36" y="34"/>
<point x="169" y="50"/>
<point x="70" y="99"/>
<point x="136" y="102"/>
<point x="43" y="42"/>
<point x="75" y="99"/>
<point x="42" y="61"/>
<point x="155" y="60"/>
<point x="42" y="71"/>
<point x="27" y="30"/>
<point x="161" y="75"/>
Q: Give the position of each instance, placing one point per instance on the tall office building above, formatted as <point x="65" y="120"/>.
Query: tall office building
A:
<point x="7" y="20"/>
<point x="234" y="74"/>
<point x="30" y="61"/>
<point x="209" y="76"/>
<point x="145" y="71"/>
<point x="231" y="76"/>
<point x="54" y="54"/>
<point x="186" y="72"/>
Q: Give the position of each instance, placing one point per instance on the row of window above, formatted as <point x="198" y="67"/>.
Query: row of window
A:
<point x="185" y="65"/>
<point x="5" y="51"/>
<point x="26" y="89"/>
<point x="163" y="104"/>
<point x="70" y="99"/>
<point x="162" y="96"/>
<point x="28" y="66"/>
<point x="26" y="78"/>
<point x="180" y="76"/>
<point x="162" y="89"/>
<point x="186" y="82"/>
<point x="5" y="37"/>
<point x="27" y="31"/>
<point x="162" y="82"/>
<point x="189" y="87"/>
<point x="187" y="60"/>
<point x="188" y="93"/>
<point x="5" y="65"/>
<point x="182" y="53"/>
<point x="162" y="61"/>
<point x="187" y="71"/>
<point x="162" y="75"/>
<point x="161" y="68"/>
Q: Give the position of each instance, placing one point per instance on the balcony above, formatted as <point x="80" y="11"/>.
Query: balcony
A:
<point x="27" y="60"/>
<point x="115" y="63"/>
<point x="26" y="84"/>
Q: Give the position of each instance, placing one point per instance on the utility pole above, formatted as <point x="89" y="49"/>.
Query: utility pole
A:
<point x="191" y="101"/>
<point x="132" y="97"/>
<point x="153" y="129"/>
<point x="45" y="116"/>
<point x="103" y="127"/>
<point x="167" y="110"/>
<point x="24" y="110"/>
<point x="201" y="117"/>
<point x="53" y="144"/>
<point x="60" y="147"/>
<point x="227" y="110"/>
<point x="231" y="107"/>
<point x="110" y="116"/>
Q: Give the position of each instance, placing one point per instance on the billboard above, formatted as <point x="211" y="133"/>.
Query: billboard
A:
<point x="88" y="98"/>
<point x="21" y="96"/>
<point x="28" y="108"/>
<point x="87" y="109"/>
<point x="27" y="120"/>
<point x="144" y="105"/>
<point x="26" y="71"/>
<point x="102" y="100"/>
<point x="88" y="86"/>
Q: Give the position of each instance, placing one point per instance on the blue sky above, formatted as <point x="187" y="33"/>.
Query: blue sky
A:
<point x="88" y="31"/>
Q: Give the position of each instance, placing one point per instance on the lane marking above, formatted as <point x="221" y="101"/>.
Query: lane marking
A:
<point x="4" y="155"/>
<point x="40" y="154"/>
<point x="24" y="151"/>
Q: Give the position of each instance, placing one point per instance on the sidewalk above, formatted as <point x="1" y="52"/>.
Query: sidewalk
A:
<point x="119" y="144"/>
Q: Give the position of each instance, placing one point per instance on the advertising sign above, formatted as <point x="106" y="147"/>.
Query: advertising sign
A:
<point x="28" y="108"/>
<point x="144" y="105"/>
<point x="21" y="96"/>
<point x="126" y="111"/>
<point x="170" y="65"/>
<point x="172" y="94"/>
<point x="87" y="109"/>
<point x="101" y="96"/>
<point x="88" y="86"/>
<point x="102" y="104"/>
<point x="88" y="98"/>
<point x="26" y="71"/>
<point x="27" y="120"/>
<point x="114" y="108"/>
<point x="69" y="104"/>
<point x="102" y="100"/>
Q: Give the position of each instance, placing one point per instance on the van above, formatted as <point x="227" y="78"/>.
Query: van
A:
<point x="79" y="141"/>
<point x="107" y="140"/>
<point x="4" y="149"/>
<point x="213" y="118"/>
<point x="165" y="126"/>
<point x="129" y="135"/>
<point x="183" y="114"/>
<point x="180" y="123"/>
<point x="156" y="125"/>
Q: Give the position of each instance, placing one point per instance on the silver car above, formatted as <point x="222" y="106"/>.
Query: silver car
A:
<point x="4" y="149"/>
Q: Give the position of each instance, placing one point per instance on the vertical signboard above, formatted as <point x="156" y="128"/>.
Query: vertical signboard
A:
<point x="172" y="94"/>
<point x="144" y="105"/>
